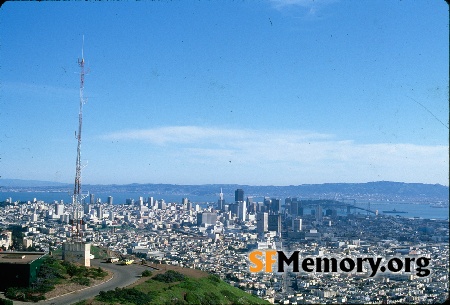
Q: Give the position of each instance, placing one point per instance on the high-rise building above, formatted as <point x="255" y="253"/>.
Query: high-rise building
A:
<point x="297" y="224"/>
<point x="221" y="201"/>
<point x="87" y="208"/>
<point x="59" y="209"/>
<point x="206" y="218"/>
<point x="242" y="210"/>
<point x="91" y="198"/>
<point x="251" y="206"/>
<point x="150" y="202"/>
<point x="319" y="213"/>
<point x="287" y="205"/>
<point x="262" y="221"/>
<point x="274" y="223"/>
<point x="110" y="200"/>
<point x="294" y="207"/>
<point x="275" y="206"/>
<point x="239" y="195"/>
<point x="184" y="203"/>
<point x="99" y="212"/>
<point x="161" y="204"/>
<point x="267" y="204"/>
<point x="234" y="208"/>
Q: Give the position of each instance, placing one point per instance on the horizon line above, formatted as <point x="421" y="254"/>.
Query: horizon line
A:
<point x="242" y="184"/>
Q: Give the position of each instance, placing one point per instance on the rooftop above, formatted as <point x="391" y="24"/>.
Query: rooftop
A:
<point x="19" y="257"/>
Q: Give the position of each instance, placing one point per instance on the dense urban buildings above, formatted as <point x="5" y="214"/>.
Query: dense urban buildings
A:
<point x="219" y="237"/>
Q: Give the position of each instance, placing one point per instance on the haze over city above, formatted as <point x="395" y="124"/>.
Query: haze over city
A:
<point x="259" y="93"/>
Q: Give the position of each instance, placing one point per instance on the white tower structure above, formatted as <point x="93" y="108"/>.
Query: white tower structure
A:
<point x="242" y="210"/>
<point x="77" y="251"/>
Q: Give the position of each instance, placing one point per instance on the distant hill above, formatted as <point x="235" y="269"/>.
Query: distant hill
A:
<point x="380" y="190"/>
<point x="9" y="183"/>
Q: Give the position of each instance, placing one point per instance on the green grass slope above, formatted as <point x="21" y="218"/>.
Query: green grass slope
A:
<point x="175" y="288"/>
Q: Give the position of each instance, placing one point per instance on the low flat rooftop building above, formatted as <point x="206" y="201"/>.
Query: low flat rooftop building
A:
<point x="19" y="269"/>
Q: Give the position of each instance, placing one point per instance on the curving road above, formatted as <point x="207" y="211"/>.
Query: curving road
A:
<point x="123" y="276"/>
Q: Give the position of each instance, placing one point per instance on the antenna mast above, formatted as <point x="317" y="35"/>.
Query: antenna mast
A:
<point x="77" y="196"/>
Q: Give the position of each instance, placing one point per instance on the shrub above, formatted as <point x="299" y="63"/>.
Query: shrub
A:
<point x="169" y="277"/>
<point x="97" y="273"/>
<point x="146" y="273"/>
<point x="14" y="293"/>
<point x="81" y="280"/>
<point x="189" y="285"/>
<point x="6" y="302"/>
<point x="124" y="295"/>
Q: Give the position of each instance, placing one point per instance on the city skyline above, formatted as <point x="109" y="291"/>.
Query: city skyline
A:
<point x="223" y="93"/>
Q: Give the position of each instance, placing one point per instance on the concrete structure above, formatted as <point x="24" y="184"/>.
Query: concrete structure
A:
<point x="77" y="252"/>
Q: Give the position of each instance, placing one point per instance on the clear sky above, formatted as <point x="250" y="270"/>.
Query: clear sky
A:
<point x="281" y="92"/>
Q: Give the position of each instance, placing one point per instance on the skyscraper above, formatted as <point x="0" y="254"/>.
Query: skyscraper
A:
<point x="319" y="214"/>
<point x="262" y="223"/>
<point x="267" y="204"/>
<point x="59" y="209"/>
<point x="274" y="223"/>
<point x="184" y="203"/>
<point x="221" y="201"/>
<point x="296" y="224"/>
<point x="287" y="204"/>
<point x="242" y="210"/>
<point x="275" y="205"/>
<point x="239" y="195"/>
<point x="294" y="207"/>
<point x="99" y="212"/>
<point x="234" y="209"/>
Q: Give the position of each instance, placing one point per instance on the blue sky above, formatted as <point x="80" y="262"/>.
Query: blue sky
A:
<point x="251" y="92"/>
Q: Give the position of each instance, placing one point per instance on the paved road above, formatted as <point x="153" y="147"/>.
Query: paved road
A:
<point x="123" y="276"/>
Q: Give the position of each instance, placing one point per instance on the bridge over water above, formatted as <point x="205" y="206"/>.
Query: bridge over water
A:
<point x="338" y="204"/>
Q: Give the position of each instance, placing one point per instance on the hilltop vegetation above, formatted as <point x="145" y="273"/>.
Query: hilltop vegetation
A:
<point x="173" y="287"/>
<point x="55" y="272"/>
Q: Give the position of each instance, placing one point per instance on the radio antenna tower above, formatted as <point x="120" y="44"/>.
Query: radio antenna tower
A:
<point x="77" y="196"/>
